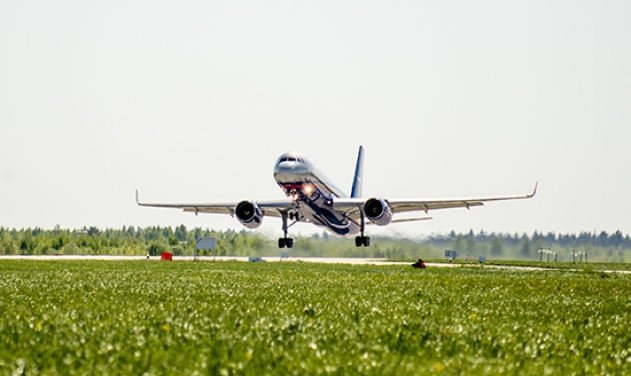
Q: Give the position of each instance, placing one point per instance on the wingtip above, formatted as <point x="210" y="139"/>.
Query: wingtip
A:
<point x="534" y="191"/>
<point x="137" y="201"/>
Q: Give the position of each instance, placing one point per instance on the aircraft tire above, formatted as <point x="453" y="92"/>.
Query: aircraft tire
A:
<point x="362" y="241"/>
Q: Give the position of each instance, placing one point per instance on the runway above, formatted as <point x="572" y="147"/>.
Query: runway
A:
<point x="321" y="260"/>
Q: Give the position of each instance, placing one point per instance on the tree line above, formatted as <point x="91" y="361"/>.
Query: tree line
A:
<point x="131" y="240"/>
<point x="601" y="246"/>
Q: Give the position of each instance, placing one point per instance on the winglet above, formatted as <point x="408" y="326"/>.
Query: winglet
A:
<point x="534" y="191"/>
<point x="137" y="201"/>
<point x="356" y="190"/>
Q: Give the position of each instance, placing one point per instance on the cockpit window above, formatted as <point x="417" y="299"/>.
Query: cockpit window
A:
<point x="291" y="159"/>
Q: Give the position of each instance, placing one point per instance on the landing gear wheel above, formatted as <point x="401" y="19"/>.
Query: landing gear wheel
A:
<point x="362" y="241"/>
<point x="285" y="242"/>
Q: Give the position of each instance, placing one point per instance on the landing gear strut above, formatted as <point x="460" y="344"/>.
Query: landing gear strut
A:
<point x="362" y="239"/>
<point x="285" y="241"/>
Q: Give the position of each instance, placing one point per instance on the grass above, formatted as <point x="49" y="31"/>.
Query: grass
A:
<point x="91" y="317"/>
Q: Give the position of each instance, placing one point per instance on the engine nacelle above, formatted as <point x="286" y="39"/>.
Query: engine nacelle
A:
<point x="378" y="211"/>
<point x="249" y="214"/>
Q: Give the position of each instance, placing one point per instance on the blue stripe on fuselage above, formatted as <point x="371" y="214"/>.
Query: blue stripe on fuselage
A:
<point x="313" y="194"/>
<point x="316" y="208"/>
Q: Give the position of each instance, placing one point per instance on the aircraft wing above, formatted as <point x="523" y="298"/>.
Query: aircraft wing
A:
<point x="269" y="208"/>
<point x="352" y="207"/>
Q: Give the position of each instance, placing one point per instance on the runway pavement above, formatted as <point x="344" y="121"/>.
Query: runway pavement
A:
<point x="322" y="260"/>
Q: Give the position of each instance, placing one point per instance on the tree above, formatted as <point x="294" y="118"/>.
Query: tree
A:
<point x="181" y="233"/>
<point x="458" y="243"/>
<point x="496" y="246"/>
<point x="525" y="247"/>
<point x="93" y="231"/>
<point x="198" y="233"/>
<point x="173" y="241"/>
<point x="471" y="243"/>
<point x="156" y="248"/>
<point x="59" y="241"/>
<point x="616" y="239"/>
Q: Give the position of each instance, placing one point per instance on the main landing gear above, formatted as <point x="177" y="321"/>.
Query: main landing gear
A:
<point x="285" y="241"/>
<point x="362" y="240"/>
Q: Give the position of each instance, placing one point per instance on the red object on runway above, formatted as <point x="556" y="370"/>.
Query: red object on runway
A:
<point x="166" y="256"/>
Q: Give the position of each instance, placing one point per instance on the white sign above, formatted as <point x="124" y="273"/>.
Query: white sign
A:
<point x="451" y="254"/>
<point x="206" y="243"/>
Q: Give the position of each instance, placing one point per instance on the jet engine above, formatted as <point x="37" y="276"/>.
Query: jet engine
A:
<point x="378" y="212"/>
<point x="249" y="214"/>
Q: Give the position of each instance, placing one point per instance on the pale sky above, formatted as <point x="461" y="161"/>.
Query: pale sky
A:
<point x="194" y="101"/>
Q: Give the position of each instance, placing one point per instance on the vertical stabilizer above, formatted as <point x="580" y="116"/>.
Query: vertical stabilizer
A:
<point x="356" y="191"/>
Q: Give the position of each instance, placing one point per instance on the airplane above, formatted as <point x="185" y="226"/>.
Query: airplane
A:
<point x="313" y="198"/>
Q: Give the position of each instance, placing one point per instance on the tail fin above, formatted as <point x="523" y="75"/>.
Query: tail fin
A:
<point x="356" y="191"/>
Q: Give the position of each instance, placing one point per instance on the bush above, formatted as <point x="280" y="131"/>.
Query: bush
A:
<point x="156" y="248"/>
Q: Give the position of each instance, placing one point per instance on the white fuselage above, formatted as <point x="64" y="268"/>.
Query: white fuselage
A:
<point x="313" y="194"/>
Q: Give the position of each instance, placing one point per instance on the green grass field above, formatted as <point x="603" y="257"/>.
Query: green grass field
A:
<point x="297" y="318"/>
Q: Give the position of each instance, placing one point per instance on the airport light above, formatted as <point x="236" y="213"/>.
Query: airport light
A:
<point x="580" y="257"/>
<point x="547" y="252"/>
